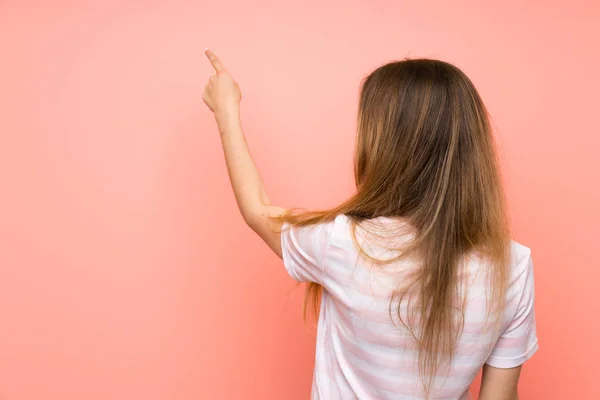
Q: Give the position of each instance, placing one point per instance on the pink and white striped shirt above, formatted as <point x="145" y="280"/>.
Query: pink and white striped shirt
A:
<point x="361" y="353"/>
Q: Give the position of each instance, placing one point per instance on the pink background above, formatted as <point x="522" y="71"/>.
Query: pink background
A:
<point x="125" y="269"/>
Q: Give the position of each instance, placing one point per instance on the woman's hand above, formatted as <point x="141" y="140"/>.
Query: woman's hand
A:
<point x="222" y="94"/>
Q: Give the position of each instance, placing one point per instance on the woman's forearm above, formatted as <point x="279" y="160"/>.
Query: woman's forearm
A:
<point x="246" y="181"/>
<point x="222" y="95"/>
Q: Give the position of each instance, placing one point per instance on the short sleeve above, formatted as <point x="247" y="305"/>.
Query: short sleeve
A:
<point x="519" y="341"/>
<point x="304" y="251"/>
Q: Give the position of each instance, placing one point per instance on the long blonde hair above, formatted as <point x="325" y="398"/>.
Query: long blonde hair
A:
<point x="425" y="153"/>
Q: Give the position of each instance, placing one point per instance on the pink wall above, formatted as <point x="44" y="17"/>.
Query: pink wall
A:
<point x="125" y="270"/>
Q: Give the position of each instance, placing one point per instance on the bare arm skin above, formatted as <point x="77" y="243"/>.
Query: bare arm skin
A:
<point x="222" y="95"/>
<point x="499" y="383"/>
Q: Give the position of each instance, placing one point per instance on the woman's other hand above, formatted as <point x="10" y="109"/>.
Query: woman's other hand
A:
<point x="222" y="94"/>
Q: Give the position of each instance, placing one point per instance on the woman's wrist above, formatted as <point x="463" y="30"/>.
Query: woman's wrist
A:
<point x="228" y="120"/>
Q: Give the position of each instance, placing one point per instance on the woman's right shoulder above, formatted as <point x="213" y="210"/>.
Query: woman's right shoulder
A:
<point x="521" y="262"/>
<point x="519" y="253"/>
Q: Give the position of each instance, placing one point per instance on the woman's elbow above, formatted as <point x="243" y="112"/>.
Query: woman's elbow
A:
<point x="255" y="218"/>
<point x="250" y="219"/>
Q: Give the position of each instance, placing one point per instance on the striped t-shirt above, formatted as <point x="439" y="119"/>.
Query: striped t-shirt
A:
<point x="361" y="352"/>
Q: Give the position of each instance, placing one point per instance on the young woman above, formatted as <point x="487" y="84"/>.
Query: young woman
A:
<point x="415" y="281"/>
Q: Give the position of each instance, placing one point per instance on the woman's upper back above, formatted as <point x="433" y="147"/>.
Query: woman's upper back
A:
<point x="363" y="350"/>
